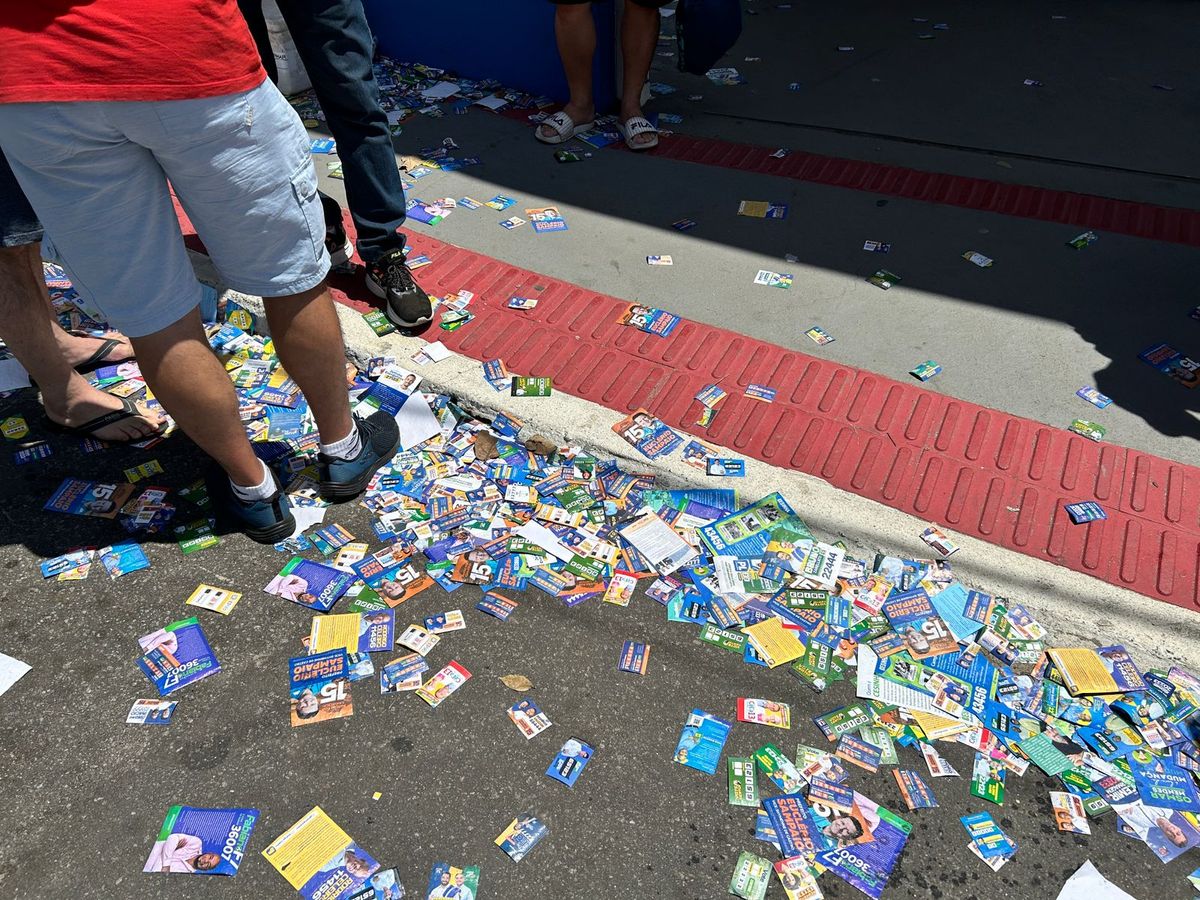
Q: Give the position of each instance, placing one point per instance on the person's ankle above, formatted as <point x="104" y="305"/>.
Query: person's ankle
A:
<point x="630" y="113"/>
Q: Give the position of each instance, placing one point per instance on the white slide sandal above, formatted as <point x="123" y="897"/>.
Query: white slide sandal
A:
<point x="636" y="126"/>
<point x="564" y="128"/>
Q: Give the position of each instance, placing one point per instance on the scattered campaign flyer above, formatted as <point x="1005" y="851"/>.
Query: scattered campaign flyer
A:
<point x="797" y="878"/>
<point x="767" y="278"/>
<point x="310" y="584"/>
<point x="1167" y="832"/>
<point x="1088" y="511"/>
<point x="986" y="835"/>
<point x="635" y="657"/>
<point x="123" y="558"/>
<point x="497" y="605"/>
<point x="987" y="779"/>
<point x="773" y="642"/>
<point x="89" y="498"/>
<point x="418" y="639"/>
<point x="512" y="222"/>
<point x="500" y="203"/>
<point x="658" y="543"/>
<point x="868" y="866"/>
<point x="764" y="712"/>
<point x="762" y="209"/>
<point x="447" y="882"/>
<point x="522" y="302"/>
<point x="819" y="335"/>
<point x="403" y="674"/>
<point x="395" y="578"/>
<point x="1069" y="814"/>
<point x="444" y="682"/>
<point x="728" y="467"/>
<point x="1094" y="397"/>
<point x="794" y="826"/>
<point x="913" y="617"/>
<point x="320" y="860"/>
<point x="702" y="741"/>
<point x="440" y="623"/>
<point x="1171" y="362"/>
<point x="522" y="835"/>
<point x="913" y="789"/>
<point x="531" y="386"/>
<point x="859" y="752"/>
<point x="884" y="279"/>
<point x="760" y="392"/>
<point x="939" y="541"/>
<point x="743" y="781"/>
<point x="216" y="599"/>
<point x="196" y="841"/>
<point x="570" y="762"/>
<point x="751" y="877"/>
<point x="648" y="434"/>
<point x="175" y="656"/>
<point x="151" y="712"/>
<point x="546" y="219"/>
<point x="319" y="687"/>
<point x="528" y="717"/>
<point x="649" y="319"/>
<point x="385" y="884"/>
<point x="780" y="770"/>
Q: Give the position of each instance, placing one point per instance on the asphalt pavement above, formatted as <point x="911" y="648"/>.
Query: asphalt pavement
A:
<point x="84" y="794"/>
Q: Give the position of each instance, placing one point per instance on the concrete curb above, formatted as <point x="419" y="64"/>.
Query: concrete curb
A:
<point x="1076" y="609"/>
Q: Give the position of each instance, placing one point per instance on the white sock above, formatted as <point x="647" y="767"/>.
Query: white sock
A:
<point x="260" y="491"/>
<point x="347" y="448"/>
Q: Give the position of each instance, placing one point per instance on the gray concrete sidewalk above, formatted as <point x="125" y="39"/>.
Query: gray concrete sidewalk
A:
<point x="1022" y="336"/>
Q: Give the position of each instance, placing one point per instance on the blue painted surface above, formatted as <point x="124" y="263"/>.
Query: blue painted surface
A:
<point x="509" y="40"/>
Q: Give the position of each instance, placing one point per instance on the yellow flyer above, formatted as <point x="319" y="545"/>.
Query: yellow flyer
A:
<point x="319" y="859"/>
<point x="334" y="632"/>
<point x="774" y="643"/>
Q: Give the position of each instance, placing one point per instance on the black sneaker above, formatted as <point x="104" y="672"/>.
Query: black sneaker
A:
<point x="345" y="479"/>
<point x="339" y="246"/>
<point x="408" y="304"/>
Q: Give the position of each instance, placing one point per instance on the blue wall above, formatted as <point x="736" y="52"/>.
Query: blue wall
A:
<point x="509" y="40"/>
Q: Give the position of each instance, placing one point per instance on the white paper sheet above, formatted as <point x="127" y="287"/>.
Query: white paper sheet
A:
<point x="11" y="671"/>
<point x="658" y="543"/>
<point x="440" y="91"/>
<point x="1088" y="884"/>
<point x="546" y="539"/>
<point x="417" y="422"/>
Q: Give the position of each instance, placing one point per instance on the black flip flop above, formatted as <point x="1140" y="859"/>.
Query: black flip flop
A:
<point x="128" y="410"/>
<point x="97" y="359"/>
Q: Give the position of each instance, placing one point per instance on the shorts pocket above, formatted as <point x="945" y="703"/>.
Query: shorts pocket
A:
<point x="304" y="190"/>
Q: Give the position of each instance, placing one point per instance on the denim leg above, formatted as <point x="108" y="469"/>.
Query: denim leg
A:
<point x="334" y="43"/>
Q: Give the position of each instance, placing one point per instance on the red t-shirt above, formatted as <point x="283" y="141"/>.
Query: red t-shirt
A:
<point x="63" y="50"/>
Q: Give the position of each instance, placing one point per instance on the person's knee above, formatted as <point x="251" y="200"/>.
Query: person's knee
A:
<point x="573" y="13"/>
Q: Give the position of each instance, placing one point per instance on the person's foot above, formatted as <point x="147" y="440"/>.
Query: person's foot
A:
<point x="345" y="479"/>
<point x="407" y="304"/>
<point x="87" y="404"/>
<point x="339" y="246"/>
<point x="265" y="521"/>
<point x="80" y="349"/>
<point x="646" y="138"/>
<point x="576" y="112"/>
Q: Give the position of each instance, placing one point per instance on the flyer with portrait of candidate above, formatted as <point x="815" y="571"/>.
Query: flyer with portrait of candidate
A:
<point x="320" y="860"/>
<point x="195" y="841"/>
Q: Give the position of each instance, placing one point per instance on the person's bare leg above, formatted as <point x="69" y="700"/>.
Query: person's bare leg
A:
<point x="28" y="328"/>
<point x="576" y="33"/>
<point x="192" y="385"/>
<point x="308" y="340"/>
<point x="639" y="35"/>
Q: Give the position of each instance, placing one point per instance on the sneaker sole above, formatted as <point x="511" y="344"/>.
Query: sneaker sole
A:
<point x="339" y="492"/>
<point x="272" y="535"/>
<point x="379" y="292"/>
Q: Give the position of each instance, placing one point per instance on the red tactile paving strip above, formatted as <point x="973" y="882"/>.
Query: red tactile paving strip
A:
<point x="978" y="471"/>
<point x="1161" y="223"/>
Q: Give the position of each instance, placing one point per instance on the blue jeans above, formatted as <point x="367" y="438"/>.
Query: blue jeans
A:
<point x="335" y="44"/>
<point x="18" y="223"/>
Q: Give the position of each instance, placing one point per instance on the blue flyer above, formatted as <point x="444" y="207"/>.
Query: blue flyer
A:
<point x="194" y="841"/>
<point x="123" y="558"/>
<point x="570" y="762"/>
<point x="175" y="656"/>
<point x="310" y="584"/>
<point x="702" y="741"/>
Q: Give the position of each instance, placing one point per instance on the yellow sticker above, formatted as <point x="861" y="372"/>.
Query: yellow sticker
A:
<point x="14" y="428"/>
<point x="376" y="795"/>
